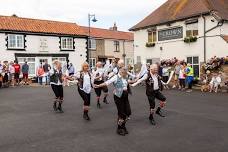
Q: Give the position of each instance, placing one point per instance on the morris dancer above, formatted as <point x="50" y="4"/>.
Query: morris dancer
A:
<point x="84" y="88"/>
<point x="121" y="92"/>
<point x="99" y="77"/>
<point x="56" y="81"/>
<point x="153" y="87"/>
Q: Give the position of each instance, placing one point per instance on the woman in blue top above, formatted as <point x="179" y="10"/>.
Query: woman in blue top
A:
<point x="121" y="91"/>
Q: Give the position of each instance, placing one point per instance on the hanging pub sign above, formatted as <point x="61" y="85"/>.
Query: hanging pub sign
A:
<point x="169" y="34"/>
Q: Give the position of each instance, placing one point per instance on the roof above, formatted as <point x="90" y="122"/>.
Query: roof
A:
<point x="225" y="37"/>
<point x="174" y="10"/>
<point x="14" y="23"/>
<point x="108" y="34"/>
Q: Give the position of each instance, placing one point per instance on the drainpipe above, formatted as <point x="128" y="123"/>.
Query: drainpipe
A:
<point x="204" y="40"/>
<point x="124" y="55"/>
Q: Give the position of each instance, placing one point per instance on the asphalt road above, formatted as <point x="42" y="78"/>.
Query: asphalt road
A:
<point x="195" y="122"/>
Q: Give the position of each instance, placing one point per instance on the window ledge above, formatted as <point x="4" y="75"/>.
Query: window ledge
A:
<point x="67" y="50"/>
<point x="16" y="49"/>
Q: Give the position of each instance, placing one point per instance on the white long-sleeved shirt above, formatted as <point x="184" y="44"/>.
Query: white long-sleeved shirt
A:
<point x="154" y="78"/>
<point x="86" y="82"/>
<point x="114" y="80"/>
<point x="51" y="73"/>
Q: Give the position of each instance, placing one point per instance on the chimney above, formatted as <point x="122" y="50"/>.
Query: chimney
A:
<point x="114" y="28"/>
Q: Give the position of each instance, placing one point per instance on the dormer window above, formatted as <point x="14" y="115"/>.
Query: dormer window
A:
<point x="192" y="30"/>
<point x="15" y="41"/>
<point x="152" y="36"/>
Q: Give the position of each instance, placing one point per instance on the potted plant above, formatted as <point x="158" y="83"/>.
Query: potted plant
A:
<point x="190" y="39"/>
<point x="150" y="44"/>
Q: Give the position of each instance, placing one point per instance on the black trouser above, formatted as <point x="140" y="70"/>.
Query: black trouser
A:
<point x="165" y="78"/>
<point x="98" y="90"/>
<point x="182" y="83"/>
<point x="155" y="95"/>
<point x="123" y="105"/>
<point x="85" y="97"/>
<point x="58" y="91"/>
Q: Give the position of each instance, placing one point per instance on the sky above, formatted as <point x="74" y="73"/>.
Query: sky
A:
<point x="126" y="13"/>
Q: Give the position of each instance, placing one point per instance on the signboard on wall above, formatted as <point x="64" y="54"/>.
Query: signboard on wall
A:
<point x="43" y="45"/>
<point x="169" y="34"/>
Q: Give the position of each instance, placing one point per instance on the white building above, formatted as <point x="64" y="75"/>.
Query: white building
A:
<point x="37" y="41"/>
<point x="190" y="30"/>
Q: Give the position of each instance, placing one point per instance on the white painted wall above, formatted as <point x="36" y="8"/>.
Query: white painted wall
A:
<point x="33" y="43"/>
<point x="177" y="48"/>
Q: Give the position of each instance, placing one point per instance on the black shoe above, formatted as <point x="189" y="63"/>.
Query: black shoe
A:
<point x="158" y="112"/>
<point x="120" y="132"/>
<point x="105" y="101"/>
<point x="54" y="107"/>
<point x="98" y="105"/>
<point x="86" y="116"/>
<point x="125" y="130"/>
<point x="60" y="108"/>
<point x="152" y="121"/>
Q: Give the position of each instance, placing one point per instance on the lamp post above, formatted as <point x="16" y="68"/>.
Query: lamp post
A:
<point x="90" y="16"/>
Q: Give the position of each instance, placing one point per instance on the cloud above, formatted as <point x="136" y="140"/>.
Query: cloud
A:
<point x="125" y="12"/>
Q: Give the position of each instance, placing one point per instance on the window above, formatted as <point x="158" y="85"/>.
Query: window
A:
<point x="67" y="43"/>
<point x="194" y="61"/>
<point x="92" y="62"/>
<point x="117" y="46"/>
<point x="138" y="59"/>
<point x="152" y="36"/>
<point x="31" y="63"/>
<point x="15" y="41"/>
<point x="149" y="61"/>
<point x="92" y="44"/>
<point x="192" y="30"/>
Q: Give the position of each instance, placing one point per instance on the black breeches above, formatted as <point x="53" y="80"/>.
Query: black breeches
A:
<point x="123" y="105"/>
<point x="85" y="97"/>
<point x="99" y="90"/>
<point x="182" y="83"/>
<point x="58" y="91"/>
<point x="155" y="95"/>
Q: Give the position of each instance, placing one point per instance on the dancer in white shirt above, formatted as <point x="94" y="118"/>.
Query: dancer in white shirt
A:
<point x="153" y="87"/>
<point x="56" y="81"/>
<point x="84" y="88"/>
<point x="99" y="78"/>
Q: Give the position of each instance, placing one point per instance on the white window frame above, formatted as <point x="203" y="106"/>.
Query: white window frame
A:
<point x="17" y="44"/>
<point x="67" y="46"/>
<point x="92" y="62"/>
<point x="92" y="44"/>
<point x="192" y="27"/>
<point x="192" y="64"/>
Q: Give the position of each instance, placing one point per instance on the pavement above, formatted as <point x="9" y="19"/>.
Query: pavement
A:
<point x="195" y="122"/>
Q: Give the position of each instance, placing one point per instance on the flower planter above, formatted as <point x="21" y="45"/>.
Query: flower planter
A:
<point x="150" y="44"/>
<point x="190" y="39"/>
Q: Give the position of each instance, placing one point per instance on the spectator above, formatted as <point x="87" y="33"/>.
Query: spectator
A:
<point x="182" y="76"/>
<point x="177" y="69"/>
<point x="215" y="82"/>
<point x="159" y="69"/>
<point x="5" y="74"/>
<point x="17" y="69"/>
<point x="40" y="74"/>
<point x="71" y="69"/>
<point x="11" y="74"/>
<point x="25" y="71"/>
<point x="1" y="67"/>
<point x="165" y="75"/>
<point x="47" y="68"/>
<point x="190" y="77"/>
